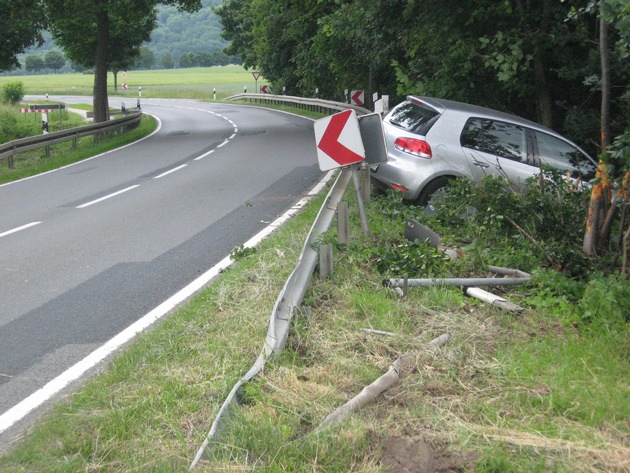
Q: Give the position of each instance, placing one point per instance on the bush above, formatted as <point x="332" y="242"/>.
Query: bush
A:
<point x="12" y="92"/>
<point x="606" y="302"/>
<point x="546" y="219"/>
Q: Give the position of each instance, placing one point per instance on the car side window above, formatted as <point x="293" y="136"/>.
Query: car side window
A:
<point x="564" y="156"/>
<point x="495" y="137"/>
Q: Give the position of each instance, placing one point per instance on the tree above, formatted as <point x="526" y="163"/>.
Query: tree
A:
<point x="146" y="58"/>
<point x="21" y="23"/>
<point x="33" y="63"/>
<point x="186" y="60"/>
<point x="12" y="92"/>
<point x="54" y="59"/>
<point x="604" y="202"/>
<point x="104" y="33"/>
<point x="167" y="61"/>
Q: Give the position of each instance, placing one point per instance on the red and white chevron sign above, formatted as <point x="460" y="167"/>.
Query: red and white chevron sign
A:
<point x="339" y="141"/>
<point x="357" y="97"/>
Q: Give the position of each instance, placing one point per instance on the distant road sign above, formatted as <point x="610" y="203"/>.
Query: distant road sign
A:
<point x="339" y="140"/>
<point x="264" y="89"/>
<point x="124" y="86"/>
<point x="256" y="75"/>
<point x="357" y="97"/>
<point x="124" y="75"/>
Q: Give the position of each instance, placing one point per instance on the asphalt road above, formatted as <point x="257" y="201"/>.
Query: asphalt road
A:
<point x="87" y="250"/>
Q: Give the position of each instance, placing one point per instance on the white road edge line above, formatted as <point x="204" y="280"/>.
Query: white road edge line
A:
<point x="19" y="229"/>
<point x="39" y="397"/>
<point x="170" y="171"/>
<point x="87" y="204"/>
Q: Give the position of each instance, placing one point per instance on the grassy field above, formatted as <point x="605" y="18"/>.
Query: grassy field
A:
<point x="173" y="83"/>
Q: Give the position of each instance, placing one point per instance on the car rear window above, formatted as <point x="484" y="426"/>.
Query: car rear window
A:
<point x="412" y="117"/>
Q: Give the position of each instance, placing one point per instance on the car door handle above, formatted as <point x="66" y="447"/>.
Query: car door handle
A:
<point x="480" y="164"/>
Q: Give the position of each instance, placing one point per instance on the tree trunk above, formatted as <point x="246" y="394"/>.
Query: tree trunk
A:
<point x="599" y="219"/>
<point x="605" y="66"/>
<point x="543" y="92"/>
<point x="100" y="102"/>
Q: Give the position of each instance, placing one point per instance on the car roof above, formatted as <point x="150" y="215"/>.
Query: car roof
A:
<point x="441" y="105"/>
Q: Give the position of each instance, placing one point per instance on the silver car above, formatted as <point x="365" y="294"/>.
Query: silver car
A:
<point x="431" y="141"/>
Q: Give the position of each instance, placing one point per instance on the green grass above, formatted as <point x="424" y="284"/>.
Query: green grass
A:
<point x="173" y="83"/>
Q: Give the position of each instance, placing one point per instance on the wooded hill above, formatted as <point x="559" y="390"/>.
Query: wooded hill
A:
<point x="177" y="33"/>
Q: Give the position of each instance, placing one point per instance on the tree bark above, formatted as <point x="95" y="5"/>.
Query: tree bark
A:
<point x="605" y="66"/>
<point x="599" y="219"/>
<point x="101" y="59"/>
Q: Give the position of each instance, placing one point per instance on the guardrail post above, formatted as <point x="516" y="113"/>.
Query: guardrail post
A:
<point x="325" y="260"/>
<point x="365" y="183"/>
<point x="357" y="190"/>
<point x="343" y="223"/>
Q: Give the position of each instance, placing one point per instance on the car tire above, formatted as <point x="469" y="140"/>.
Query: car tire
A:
<point x="436" y="186"/>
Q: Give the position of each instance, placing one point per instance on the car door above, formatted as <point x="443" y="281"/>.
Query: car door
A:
<point x="497" y="148"/>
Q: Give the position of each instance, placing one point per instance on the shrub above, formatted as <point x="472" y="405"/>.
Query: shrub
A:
<point x="606" y="302"/>
<point x="546" y="217"/>
<point x="13" y="92"/>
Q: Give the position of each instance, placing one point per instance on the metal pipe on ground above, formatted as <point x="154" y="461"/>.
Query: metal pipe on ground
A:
<point x="460" y="282"/>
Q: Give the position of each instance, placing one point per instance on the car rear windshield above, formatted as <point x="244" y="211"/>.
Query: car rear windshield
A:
<point x="412" y="117"/>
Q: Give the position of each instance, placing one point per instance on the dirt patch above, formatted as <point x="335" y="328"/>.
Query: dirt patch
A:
<point x="414" y="455"/>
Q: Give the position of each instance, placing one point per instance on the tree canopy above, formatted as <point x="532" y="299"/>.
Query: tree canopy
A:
<point x="539" y="59"/>
<point x="105" y="34"/>
<point x="21" y="23"/>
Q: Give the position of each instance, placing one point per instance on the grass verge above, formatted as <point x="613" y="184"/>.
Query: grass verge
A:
<point x="526" y="392"/>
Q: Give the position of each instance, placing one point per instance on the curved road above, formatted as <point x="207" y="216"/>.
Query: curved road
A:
<point x="87" y="250"/>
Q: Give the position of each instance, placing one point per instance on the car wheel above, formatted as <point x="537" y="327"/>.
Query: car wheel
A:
<point x="433" y="192"/>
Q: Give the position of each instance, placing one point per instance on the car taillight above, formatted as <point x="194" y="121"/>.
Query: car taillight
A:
<point x="413" y="146"/>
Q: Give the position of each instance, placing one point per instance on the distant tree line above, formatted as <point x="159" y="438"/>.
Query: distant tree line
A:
<point x="54" y="60"/>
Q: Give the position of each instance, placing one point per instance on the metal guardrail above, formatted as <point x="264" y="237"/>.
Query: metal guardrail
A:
<point x="10" y="149"/>
<point x="316" y="105"/>
<point x="287" y="303"/>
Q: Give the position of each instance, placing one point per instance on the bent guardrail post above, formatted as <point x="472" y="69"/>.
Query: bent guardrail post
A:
<point x="288" y="300"/>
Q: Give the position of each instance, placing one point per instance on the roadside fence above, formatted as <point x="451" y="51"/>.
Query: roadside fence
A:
<point x="120" y="125"/>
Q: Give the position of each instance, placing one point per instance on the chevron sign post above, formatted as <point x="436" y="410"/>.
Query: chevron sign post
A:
<point x="339" y="142"/>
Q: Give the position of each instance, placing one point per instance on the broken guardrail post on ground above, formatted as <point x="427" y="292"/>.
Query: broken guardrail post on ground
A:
<point x="369" y="393"/>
